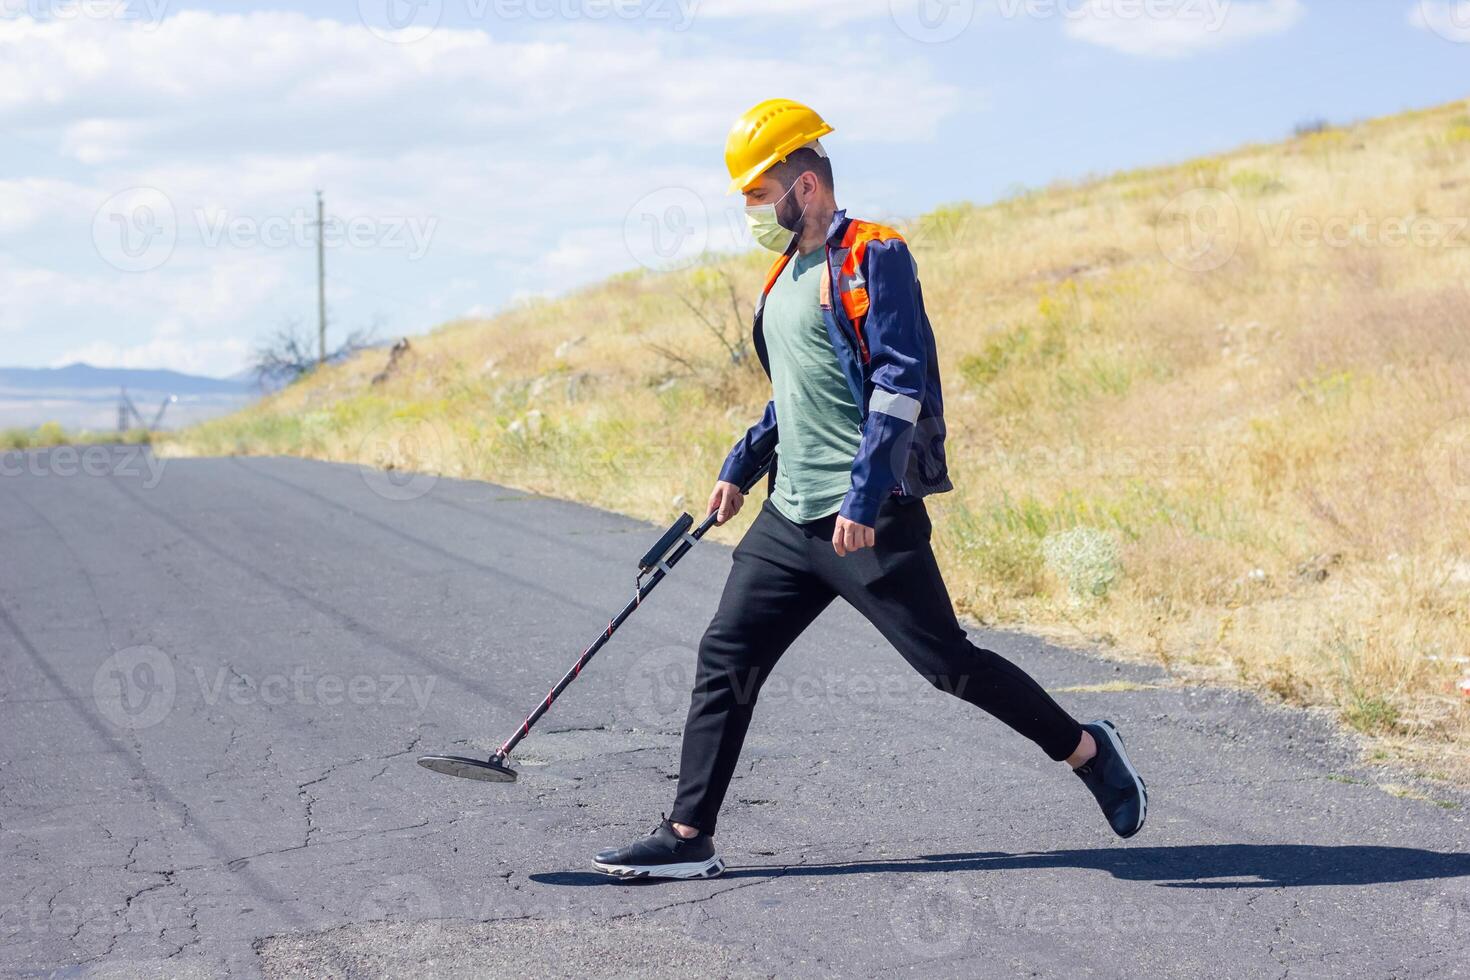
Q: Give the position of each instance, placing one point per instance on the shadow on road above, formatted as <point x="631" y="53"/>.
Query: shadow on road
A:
<point x="1188" y="866"/>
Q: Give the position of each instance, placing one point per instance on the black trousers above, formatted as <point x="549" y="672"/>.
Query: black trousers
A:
<point x="784" y="575"/>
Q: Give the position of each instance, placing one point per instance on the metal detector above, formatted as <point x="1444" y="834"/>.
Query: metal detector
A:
<point x="655" y="565"/>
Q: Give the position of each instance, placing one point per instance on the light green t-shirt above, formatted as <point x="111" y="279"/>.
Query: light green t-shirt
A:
<point x="820" y="425"/>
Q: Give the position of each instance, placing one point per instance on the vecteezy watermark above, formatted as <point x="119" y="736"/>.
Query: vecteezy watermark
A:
<point x="135" y="230"/>
<point x="402" y="457"/>
<point x="1202" y="229"/>
<point x="135" y="688"/>
<point x="410" y="902"/>
<point x="1207" y="15"/>
<point x="138" y="229"/>
<point x="937" y="21"/>
<point x="401" y="21"/>
<point x="932" y="21"/>
<point x="1106" y="917"/>
<point x="1450" y="19"/>
<point x="657" y="686"/>
<point x="408" y="233"/>
<point x="677" y="13"/>
<point x="81" y="923"/>
<point x="147" y="14"/>
<point x="411" y="21"/>
<point x="1363" y="230"/>
<point x="93" y="461"/>
<point x="305" y="687"/>
<point x="934" y="919"/>
<point x="1447" y="911"/>
<point x="1199" y="231"/>
<point x="667" y="229"/>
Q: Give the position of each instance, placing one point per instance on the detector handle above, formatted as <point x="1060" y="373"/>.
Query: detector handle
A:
<point x="665" y="544"/>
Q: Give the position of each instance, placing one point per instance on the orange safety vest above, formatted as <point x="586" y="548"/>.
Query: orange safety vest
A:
<point x="852" y="288"/>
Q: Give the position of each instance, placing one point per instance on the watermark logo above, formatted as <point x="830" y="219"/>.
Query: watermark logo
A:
<point x="932" y="21"/>
<point x="411" y="901"/>
<point x="679" y="13"/>
<point x="933" y="920"/>
<point x="86" y="923"/>
<point x="401" y="21"/>
<point x="1113" y="22"/>
<point x="1448" y="910"/>
<point x="667" y="229"/>
<point x="1100" y="917"/>
<point x="400" y="456"/>
<point x="1450" y="19"/>
<point x="1364" y="230"/>
<point x="410" y="234"/>
<point x="93" y="461"/>
<point x="144" y="14"/>
<point x="1199" y="231"/>
<point x="410" y="21"/>
<point x="656" y="688"/>
<point x="135" y="688"/>
<point x="304" y="687"/>
<point x="136" y="230"/>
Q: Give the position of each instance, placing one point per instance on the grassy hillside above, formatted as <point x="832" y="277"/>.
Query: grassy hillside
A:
<point x="1227" y="431"/>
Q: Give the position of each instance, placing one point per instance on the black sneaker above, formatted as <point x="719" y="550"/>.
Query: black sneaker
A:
<point x="663" y="854"/>
<point x="1113" y="780"/>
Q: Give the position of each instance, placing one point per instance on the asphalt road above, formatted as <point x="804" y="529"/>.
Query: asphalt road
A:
<point x="215" y="677"/>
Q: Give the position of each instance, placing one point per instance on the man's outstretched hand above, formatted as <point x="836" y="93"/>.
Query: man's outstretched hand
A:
<point x="727" y="499"/>
<point x="849" y="536"/>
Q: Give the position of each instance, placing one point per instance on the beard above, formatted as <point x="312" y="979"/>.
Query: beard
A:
<point x="789" y="214"/>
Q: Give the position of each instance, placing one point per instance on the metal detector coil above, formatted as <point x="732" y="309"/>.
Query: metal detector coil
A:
<point x="491" y="770"/>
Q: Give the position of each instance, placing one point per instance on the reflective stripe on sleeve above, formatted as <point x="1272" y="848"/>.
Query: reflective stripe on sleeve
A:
<point x="894" y="404"/>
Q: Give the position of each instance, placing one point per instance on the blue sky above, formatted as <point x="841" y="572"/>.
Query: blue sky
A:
<point x="158" y="157"/>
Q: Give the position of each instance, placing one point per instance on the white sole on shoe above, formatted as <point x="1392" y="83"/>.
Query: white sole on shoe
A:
<point x="712" y="868"/>
<point x="1117" y="743"/>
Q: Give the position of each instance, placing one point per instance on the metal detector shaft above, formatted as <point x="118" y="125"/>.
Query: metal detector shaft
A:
<point x="660" y="569"/>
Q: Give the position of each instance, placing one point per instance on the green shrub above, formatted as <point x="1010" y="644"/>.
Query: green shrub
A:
<point x="1085" y="559"/>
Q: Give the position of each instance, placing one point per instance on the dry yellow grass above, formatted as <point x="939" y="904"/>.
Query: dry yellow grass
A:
<point x="1214" y="415"/>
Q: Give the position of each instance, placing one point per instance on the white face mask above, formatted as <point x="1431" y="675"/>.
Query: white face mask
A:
<point x="767" y="229"/>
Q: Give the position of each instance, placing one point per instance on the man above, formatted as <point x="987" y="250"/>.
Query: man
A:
<point x="841" y="331"/>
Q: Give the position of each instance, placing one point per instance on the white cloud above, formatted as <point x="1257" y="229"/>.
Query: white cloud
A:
<point x="1178" y="28"/>
<point x="279" y="79"/>
<point x="1450" y="19"/>
<point x="193" y="317"/>
<point x="525" y="154"/>
<point x="25" y="201"/>
<point x="216" y="358"/>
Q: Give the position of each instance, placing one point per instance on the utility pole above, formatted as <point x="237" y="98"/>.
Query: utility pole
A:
<point x="321" y="281"/>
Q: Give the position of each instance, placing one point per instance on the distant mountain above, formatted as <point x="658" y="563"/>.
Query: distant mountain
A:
<point x="75" y="377"/>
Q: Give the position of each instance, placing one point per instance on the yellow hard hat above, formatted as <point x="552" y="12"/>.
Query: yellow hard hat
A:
<point x="765" y="135"/>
